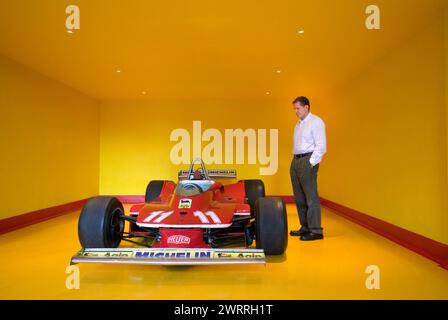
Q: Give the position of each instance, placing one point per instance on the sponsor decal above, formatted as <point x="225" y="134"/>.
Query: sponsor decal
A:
<point x="106" y="254"/>
<point x="237" y="255"/>
<point x="223" y="255"/>
<point x="178" y="239"/>
<point x="173" y="254"/>
<point x="185" y="203"/>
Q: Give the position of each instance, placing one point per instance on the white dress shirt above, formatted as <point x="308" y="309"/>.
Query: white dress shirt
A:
<point x="309" y="136"/>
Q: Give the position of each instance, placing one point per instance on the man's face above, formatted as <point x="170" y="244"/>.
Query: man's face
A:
<point x="301" y="111"/>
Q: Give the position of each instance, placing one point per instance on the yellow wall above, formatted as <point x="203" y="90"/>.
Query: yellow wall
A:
<point x="135" y="139"/>
<point x="387" y="138"/>
<point x="49" y="137"/>
<point x="446" y="79"/>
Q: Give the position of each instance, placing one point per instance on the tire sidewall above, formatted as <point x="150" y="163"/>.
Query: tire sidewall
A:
<point x="271" y="225"/>
<point x="94" y="225"/>
<point x="254" y="190"/>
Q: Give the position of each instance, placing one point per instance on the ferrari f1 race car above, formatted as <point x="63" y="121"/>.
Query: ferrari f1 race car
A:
<point x="196" y="221"/>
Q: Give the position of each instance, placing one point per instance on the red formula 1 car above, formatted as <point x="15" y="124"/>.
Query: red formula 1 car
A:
<point x="196" y="221"/>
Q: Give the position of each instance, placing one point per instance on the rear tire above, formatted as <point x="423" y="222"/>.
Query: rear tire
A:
<point x="254" y="190"/>
<point x="153" y="190"/>
<point x="271" y="225"/>
<point x="100" y="224"/>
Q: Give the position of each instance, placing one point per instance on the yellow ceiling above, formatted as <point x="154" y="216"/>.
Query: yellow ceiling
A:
<point x="205" y="49"/>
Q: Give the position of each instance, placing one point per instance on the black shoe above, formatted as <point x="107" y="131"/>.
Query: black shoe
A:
<point x="312" y="236"/>
<point x="298" y="233"/>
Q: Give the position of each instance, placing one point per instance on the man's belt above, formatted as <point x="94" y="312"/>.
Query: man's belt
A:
<point x="298" y="156"/>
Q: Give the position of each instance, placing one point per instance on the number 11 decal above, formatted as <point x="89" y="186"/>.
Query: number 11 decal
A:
<point x="204" y="219"/>
<point x="161" y="215"/>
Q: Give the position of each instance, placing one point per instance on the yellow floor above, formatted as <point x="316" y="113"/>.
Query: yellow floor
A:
<point x="33" y="262"/>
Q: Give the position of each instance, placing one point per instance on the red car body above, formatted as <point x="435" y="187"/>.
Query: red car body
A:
<point x="184" y="223"/>
<point x="187" y="217"/>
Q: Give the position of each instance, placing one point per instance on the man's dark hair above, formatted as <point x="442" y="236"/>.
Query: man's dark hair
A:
<point x="303" y="101"/>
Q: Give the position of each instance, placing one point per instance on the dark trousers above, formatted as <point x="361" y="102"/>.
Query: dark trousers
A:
<point x="304" y="184"/>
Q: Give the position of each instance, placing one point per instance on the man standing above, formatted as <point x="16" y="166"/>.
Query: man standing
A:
<point x="309" y="147"/>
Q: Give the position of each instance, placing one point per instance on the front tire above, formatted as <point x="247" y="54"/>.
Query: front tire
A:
<point x="271" y="225"/>
<point x="100" y="224"/>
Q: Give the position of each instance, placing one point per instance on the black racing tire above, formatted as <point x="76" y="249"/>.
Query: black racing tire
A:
<point x="153" y="190"/>
<point x="100" y="224"/>
<point x="254" y="190"/>
<point x="271" y="225"/>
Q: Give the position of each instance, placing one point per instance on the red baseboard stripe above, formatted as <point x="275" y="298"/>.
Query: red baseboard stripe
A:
<point x="131" y="199"/>
<point x="431" y="249"/>
<point x="27" y="219"/>
<point x="288" y="199"/>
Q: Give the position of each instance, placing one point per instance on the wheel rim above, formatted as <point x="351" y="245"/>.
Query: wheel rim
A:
<point x="116" y="226"/>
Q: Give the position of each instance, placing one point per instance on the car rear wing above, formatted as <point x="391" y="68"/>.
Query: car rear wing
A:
<point x="169" y="256"/>
<point x="217" y="174"/>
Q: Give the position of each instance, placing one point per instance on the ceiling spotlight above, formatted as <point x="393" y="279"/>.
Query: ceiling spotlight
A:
<point x="70" y="31"/>
<point x="301" y="31"/>
<point x="118" y="71"/>
<point x="143" y="92"/>
<point x="268" y="93"/>
<point x="278" y="71"/>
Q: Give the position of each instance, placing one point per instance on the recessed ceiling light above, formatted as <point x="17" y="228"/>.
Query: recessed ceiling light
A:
<point x="278" y="71"/>
<point x="301" y="31"/>
<point x="118" y="70"/>
<point x="268" y="93"/>
<point x="143" y="92"/>
<point x="70" y="31"/>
